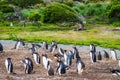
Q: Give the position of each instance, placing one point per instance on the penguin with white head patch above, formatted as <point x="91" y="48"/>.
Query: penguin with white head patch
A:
<point x="36" y="58"/>
<point x="18" y="43"/>
<point x="80" y="65"/>
<point x="93" y="56"/>
<point x="1" y="47"/>
<point x="113" y="54"/>
<point x="9" y="65"/>
<point x="61" y="69"/>
<point x="92" y="47"/>
<point x="45" y="60"/>
<point x="28" y="65"/>
<point x="53" y="47"/>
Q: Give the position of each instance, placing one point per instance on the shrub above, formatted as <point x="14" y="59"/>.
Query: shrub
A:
<point x="6" y="8"/>
<point x="35" y="16"/>
<point x="57" y="12"/>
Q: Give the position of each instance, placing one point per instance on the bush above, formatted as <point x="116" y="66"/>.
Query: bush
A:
<point x="113" y="11"/>
<point x="57" y="12"/>
<point x="6" y="8"/>
<point x="35" y="16"/>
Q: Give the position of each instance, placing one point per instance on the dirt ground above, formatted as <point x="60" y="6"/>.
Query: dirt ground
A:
<point x="97" y="71"/>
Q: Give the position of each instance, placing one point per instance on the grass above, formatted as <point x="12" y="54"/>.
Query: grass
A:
<point x="100" y="35"/>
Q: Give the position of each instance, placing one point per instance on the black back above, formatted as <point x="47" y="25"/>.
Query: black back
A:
<point x="1" y="47"/>
<point x="106" y="55"/>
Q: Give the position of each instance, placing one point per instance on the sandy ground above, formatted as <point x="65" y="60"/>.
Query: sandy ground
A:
<point x="97" y="71"/>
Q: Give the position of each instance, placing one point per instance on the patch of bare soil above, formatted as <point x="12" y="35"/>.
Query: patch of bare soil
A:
<point x="97" y="71"/>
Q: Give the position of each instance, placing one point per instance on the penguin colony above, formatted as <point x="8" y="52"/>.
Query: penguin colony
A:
<point x="63" y="57"/>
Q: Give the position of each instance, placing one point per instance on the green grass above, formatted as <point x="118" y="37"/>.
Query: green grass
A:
<point x="99" y="35"/>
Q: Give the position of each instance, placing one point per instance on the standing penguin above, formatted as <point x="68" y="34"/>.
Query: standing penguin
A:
<point x="33" y="48"/>
<point x="18" y="43"/>
<point x="28" y="65"/>
<point x="69" y="58"/>
<point x="80" y="65"/>
<point x="113" y="54"/>
<point x="106" y="55"/>
<point x="75" y="52"/>
<point x="93" y="56"/>
<point x="9" y="65"/>
<point x="50" y="69"/>
<point x="99" y="56"/>
<point x="61" y="51"/>
<point x="119" y="62"/>
<point x="45" y="45"/>
<point x="36" y="58"/>
<point x="53" y="47"/>
<point x="1" y="47"/>
<point x="92" y="47"/>
<point x="45" y="60"/>
<point x="61" y="69"/>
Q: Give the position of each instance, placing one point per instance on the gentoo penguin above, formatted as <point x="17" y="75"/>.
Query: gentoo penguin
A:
<point x="92" y="47"/>
<point x="58" y="56"/>
<point x="45" y="60"/>
<point x="18" y="43"/>
<point x="69" y="58"/>
<point x="116" y="72"/>
<point x="1" y="47"/>
<point x="34" y="47"/>
<point x="99" y="56"/>
<point x="53" y="47"/>
<point x="9" y="65"/>
<point x="119" y="62"/>
<point x="50" y="69"/>
<point x="36" y="58"/>
<point x="61" y="69"/>
<point x="80" y="65"/>
<point x="75" y="52"/>
<point x="61" y="51"/>
<point x="106" y="55"/>
<point x="28" y="65"/>
<point x="113" y="54"/>
<point x="93" y="56"/>
<point x="45" y="45"/>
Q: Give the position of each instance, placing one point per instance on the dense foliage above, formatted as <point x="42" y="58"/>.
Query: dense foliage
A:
<point x="59" y="13"/>
<point x="114" y="12"/>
